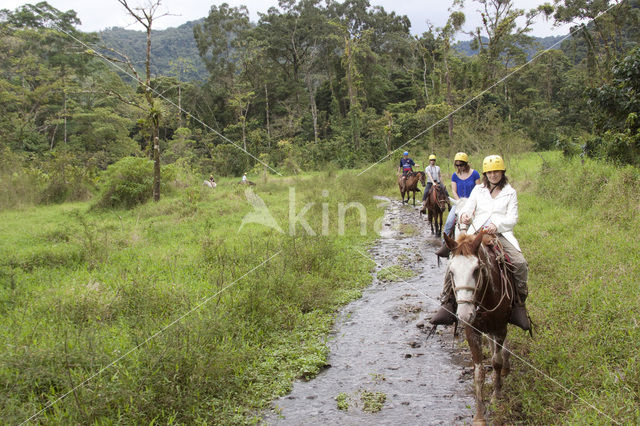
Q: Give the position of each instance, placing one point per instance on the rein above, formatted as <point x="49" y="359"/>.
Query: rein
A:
<point x="483" y="280"/>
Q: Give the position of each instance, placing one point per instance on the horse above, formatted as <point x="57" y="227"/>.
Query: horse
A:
<point x="435" y="204"/>
<point x="410" y="183"/>
<point x="484" y="290"/>
<point x="209" y="184"/>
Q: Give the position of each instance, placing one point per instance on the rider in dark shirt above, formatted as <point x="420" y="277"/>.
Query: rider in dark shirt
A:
<point x="406" y="164"/>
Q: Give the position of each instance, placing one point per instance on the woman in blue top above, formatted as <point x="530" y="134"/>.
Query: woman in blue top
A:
<point x="462" y="183"/>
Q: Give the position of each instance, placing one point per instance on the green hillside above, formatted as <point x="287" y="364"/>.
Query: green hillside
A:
<point x="174" y="51"/>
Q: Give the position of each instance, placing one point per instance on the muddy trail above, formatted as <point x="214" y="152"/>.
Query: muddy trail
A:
<point x="381" y="369"/>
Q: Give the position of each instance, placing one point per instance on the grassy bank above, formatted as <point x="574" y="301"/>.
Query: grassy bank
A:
<point x="578" y="228"/>
<point x="80" y="287"/>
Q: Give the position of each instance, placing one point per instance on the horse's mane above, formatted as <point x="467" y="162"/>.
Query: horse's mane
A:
<point x="465" y="245"/>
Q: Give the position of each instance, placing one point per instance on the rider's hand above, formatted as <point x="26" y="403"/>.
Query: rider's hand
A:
<point x="490" y="229"/>
<point x="465" y="218"/>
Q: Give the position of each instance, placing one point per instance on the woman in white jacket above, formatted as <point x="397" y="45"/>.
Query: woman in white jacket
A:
<point x="493" y="206"/>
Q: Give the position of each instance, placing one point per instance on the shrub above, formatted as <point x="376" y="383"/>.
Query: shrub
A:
<point x="129" y="182"/>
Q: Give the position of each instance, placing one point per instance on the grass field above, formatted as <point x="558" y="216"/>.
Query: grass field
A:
<point x="82" y="287"/>
<point x="577" y="229"/>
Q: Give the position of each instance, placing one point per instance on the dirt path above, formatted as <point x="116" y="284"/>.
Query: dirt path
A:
<point x="378" y="357"/>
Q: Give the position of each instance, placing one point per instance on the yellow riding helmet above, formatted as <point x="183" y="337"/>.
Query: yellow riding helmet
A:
<point x="432" y="157"/>
<point x="493" y="162"/>
<point x="461" y="156"/>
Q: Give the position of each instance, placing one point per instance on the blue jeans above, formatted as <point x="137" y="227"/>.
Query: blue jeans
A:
<point x="448" y="226"/>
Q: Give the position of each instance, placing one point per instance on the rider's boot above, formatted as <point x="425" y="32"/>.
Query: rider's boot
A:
<point x="446" y="315"/>
<point x="519" y="315"/>
<point x="443" y="251"/>
<point x="423" y="210"/>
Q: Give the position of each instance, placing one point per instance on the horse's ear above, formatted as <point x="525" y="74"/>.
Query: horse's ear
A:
<point x="450" y="242"/>
<point x="476" y="243"/>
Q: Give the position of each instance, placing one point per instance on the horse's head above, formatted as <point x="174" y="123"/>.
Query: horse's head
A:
<point x="464" y="266"/>
<point x="441" y="196"/>
<point x="423" y="178"/>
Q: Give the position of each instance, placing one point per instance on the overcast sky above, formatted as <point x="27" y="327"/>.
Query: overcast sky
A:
<point x="99" y="14"/>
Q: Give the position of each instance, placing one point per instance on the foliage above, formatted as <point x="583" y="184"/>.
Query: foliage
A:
<point x="129" y="182"/>
<point x="574" y="230"/>
<point x="175" y="52"/>
<point x="616" y="119"/>
<point x="80" y="288"/>
<point x="372" y="401"/>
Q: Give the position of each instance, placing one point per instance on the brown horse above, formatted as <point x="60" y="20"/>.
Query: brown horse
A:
<point x="410" y="183"/>
<point x="483" y="287"/>
<point x="435" y="204"/>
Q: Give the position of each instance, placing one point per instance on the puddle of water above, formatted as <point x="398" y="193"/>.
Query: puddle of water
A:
<point x="376" y="346"/>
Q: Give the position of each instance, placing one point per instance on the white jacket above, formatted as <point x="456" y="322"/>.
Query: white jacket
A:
<point x="502" y="211"/>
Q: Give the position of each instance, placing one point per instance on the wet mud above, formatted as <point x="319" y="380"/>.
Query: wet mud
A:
<point x="382" y="370"/>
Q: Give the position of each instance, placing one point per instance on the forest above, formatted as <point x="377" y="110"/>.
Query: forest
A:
<point x="310" y="84"/>
<point x="115" y="309"/>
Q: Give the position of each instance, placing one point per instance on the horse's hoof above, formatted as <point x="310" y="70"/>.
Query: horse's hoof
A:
<point x="479" y="422"/>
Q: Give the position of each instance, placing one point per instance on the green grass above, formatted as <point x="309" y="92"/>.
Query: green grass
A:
<point x="342" y="401"/>
<point x="578" y="235"/>
<point x="372" y="401"/>
<point x="395" y="273"/>
<point x="81" y="287"/>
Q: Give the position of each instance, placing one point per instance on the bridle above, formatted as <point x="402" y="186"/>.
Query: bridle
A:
<point x="441" y="201"/>
<point x="481" y="284"/>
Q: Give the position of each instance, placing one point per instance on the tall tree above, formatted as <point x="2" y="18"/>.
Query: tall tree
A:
<point x="146" y="16"/>
<point x="447" y="33"/>
<point x="501" y="39"/>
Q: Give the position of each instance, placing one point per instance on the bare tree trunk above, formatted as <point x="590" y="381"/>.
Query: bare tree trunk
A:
<point x="146" y="16"/>
<point x="53" y="137"/>
<point x="156" y="169"/>
<point x="352" y="93"/>
<point x="243" y="119"/>
<point x="180" y="105"/>
<point x="65" y="116"/>
<point x="313" y="106"/>
<point x="449" y="98"/>
<point x="389" y="130"/>
<point x="424" y="79"/>
<point x="266" y="99"/>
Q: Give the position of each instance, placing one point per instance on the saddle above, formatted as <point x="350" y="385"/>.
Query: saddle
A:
<point x="493" y="244"/>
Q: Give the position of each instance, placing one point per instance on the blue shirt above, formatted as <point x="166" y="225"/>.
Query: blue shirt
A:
<point x="406" y="163"/>
<point x="464" y="187"/>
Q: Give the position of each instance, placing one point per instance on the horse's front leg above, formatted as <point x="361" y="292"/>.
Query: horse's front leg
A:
<point x="497" y="361"/>
<point x="430" y="219"/>
<point x="414" y="198"/>
<point x="474" y="339"/>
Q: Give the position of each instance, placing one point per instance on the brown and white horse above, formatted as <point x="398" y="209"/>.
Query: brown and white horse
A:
<point x="484" y="290"/>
